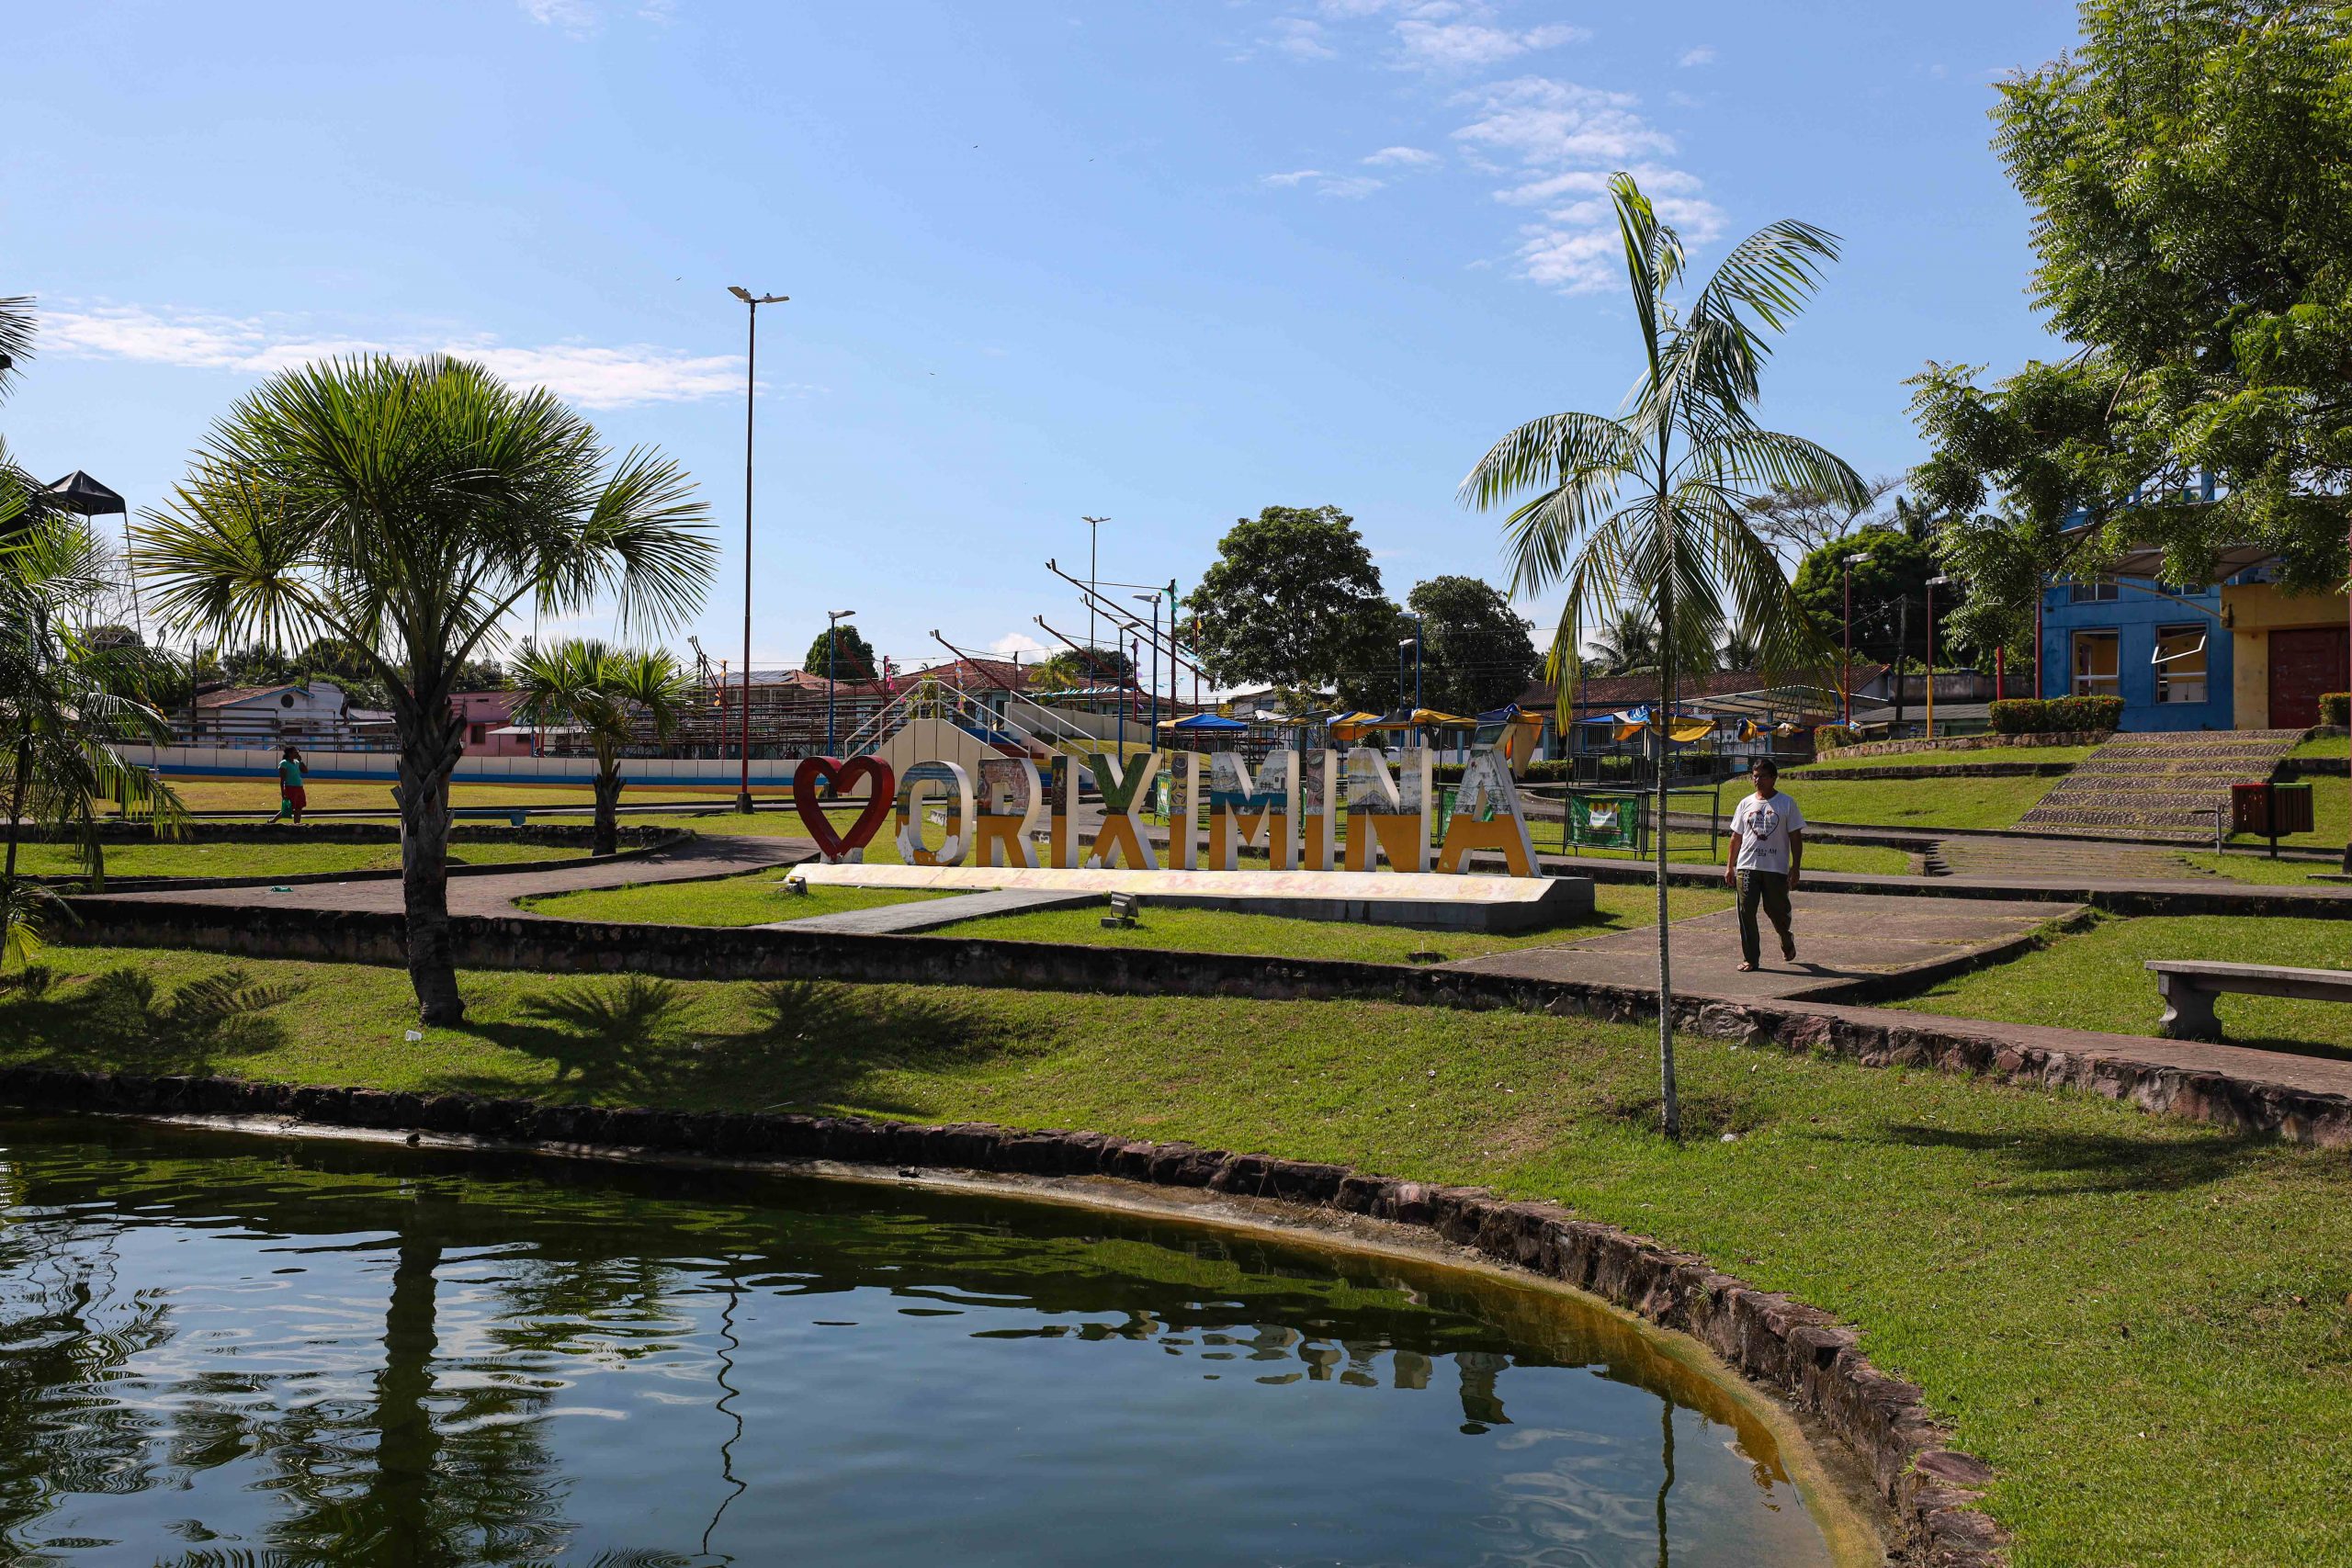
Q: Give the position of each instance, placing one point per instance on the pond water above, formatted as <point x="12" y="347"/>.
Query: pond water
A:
<point x="223" y="1349"/>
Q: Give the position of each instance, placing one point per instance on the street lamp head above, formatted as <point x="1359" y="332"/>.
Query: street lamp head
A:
<point x="746" y="296"/>
<point x="1856" y="559"/>
<point x="841" y="615"/>
<point x="1408" y="642"/>
<point x="1939" y="582"/>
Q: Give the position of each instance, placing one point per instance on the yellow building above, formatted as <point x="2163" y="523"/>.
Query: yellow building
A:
<point x="2286" y="651"/>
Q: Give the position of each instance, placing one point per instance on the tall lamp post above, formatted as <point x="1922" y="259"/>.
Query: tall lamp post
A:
<point x="1094" y="536"/>
<point x="834" y="619"/>
<point x="1846" y="669"/>
<point x="1933" y="583"/>
<point x="750" y="387"/>
<point x="1153" y="598"/>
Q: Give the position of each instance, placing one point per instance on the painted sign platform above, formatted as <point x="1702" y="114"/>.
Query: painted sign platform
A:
<point x="1439" y="900"/>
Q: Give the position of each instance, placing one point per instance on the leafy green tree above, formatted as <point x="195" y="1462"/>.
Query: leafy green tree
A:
<point x="1293" y="600"/>
<point x="617" y="696"/>
<point x="1651" y="510"/>
<point x="1890" y="593"/>
<point x="1076" y="670"/>
<point x="1474" y="649"/>
<point x="853" y="661"/>
<point x="2193" y="232"/>
<point x="408" y="508"/>
<point x="1626" y="645"/>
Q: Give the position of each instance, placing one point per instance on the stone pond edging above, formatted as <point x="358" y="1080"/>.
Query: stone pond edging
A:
<point x="1870" y="1037"/>
<point x="1803" y="1356"/>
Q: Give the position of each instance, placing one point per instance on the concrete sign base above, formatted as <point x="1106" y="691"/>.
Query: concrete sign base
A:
<point x="1462" y="903"/>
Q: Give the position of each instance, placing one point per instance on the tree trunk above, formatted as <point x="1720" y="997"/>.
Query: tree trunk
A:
<point x="608" y="805"/>
<point x="429" y="751"/>
<point x="1669" y="1107"/>
<point x="17" y="799"/>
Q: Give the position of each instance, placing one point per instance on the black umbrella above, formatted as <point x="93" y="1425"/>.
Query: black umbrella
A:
<point x="77" y="491"/>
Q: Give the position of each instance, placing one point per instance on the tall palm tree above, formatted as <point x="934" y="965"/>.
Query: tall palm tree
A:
<point x="67" y="699"/>
<point x="1627" y="645"/>
<point x="407" y="508"/>
<point x="1649" y="510"/>
<point x="611" y="693"/>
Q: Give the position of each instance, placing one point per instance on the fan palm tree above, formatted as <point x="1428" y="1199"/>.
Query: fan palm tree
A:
<point x="407" y="508"/>
<point x="67" y="699"/>
<point x="610" y="694"/>
<point x="1648" y="510"/>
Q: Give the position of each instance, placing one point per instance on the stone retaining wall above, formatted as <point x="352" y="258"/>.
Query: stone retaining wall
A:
<point x="1801" y="1355"/>
<point x="329" y="832"/>
<point x="1972" y="742"/>
<point x="692" y="952"/>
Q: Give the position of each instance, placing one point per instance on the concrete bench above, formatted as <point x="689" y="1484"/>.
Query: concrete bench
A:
<point x="2189" y="984"/>
<point x="516" y="818"/>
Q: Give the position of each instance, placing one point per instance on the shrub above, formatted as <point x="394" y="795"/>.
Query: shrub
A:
<point x="2039" y="716"/>
<point x="1829" y="737"/>
<point x="2335" y="708"/>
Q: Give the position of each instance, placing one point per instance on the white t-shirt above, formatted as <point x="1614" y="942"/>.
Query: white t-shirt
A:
<point x="1764" y="826"/>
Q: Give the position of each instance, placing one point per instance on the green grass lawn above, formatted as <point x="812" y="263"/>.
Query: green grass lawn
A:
<point x="293" y="857"/>
<point x="1911" y="802"/>
<point x="2251" y="866"/>
<point x="346" y="795"/>
<point x="1830" y="762"/>
<point x="2093" y="978"/>
<point x="2143" y="1324"/>
<point x="757" y="900"/>
<point x="754" y="900"/>
<point x="2332" y="745"/>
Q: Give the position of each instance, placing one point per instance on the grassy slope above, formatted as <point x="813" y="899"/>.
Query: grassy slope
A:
<point x="1911" y="802"/>
<point x="2094" y="979"/>
<point x="333" y="794"/>
<point x="2142" y="1322"/>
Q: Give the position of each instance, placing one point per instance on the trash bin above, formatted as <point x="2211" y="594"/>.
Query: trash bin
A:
<point x="2270" y="810"/>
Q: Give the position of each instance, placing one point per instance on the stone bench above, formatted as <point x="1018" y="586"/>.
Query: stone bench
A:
<point x="2189" y="984"/>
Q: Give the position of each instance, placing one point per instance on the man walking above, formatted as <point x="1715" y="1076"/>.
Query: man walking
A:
<point x="1767" y="855"/>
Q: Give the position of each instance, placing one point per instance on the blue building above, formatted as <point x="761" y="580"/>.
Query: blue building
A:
<point x="2165" y="651"/>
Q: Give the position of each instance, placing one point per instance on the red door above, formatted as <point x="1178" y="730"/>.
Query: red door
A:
<point x="2303" y="664"/>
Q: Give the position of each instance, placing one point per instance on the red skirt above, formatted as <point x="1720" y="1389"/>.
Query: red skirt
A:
<point x="293" y="796"/>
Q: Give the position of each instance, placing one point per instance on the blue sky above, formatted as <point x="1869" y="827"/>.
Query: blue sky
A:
<point x="1166" y="263"/>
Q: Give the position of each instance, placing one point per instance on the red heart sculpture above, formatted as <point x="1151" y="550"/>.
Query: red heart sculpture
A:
<point x="815" y="771"/>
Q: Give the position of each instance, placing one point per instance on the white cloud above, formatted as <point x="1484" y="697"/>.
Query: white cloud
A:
<point x="1298" y="38"/>
<point x="1704" y="54"/>
<point x="1557" y="143"/>
<point x="1012" y="643"/>
<point x="585" y="373"/>
<point x="1464" y="46"/>
<point x="1407" y="157"/>
<point x="1347" y="187"/>
<point x="575" y="17"/>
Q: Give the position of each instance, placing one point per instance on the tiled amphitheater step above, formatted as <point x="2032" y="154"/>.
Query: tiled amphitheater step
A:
<point x="2042" y="861"/>
<point x="2159" y="786"/>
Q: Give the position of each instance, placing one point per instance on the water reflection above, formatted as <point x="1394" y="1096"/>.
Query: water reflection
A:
<point x="217" y="1350"/>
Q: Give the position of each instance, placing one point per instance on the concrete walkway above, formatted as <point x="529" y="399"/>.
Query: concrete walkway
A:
<point x="930" y="914"/>
<point x="1842" y="940"/>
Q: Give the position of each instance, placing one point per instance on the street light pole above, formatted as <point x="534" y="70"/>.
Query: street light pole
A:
<point x="1931" y="652"/>
<point x="750" y="387"/>
<point x="1154" y="600"/>
<point x="834" y="619"/>
<point x="1093" y="532"/>
<point x="1846" y="668"/>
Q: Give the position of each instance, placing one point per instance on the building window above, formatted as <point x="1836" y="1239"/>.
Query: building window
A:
<point x="478" y="732"/>
<point x="2097" y="669"/>
<point x="2105" y="591"/>
<point x="2180" y="664"/>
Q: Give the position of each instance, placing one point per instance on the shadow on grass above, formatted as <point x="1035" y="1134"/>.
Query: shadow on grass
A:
<point x="120" y="1021"/>
<point x="2058" y="1165"/>
<point x="810" y="1043"/>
